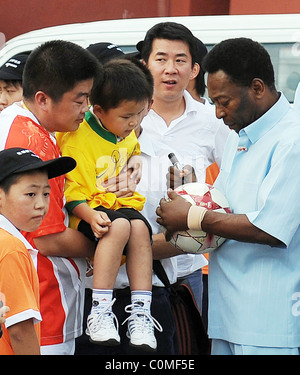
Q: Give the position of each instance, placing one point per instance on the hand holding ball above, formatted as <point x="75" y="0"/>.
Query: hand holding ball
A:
<point x="198" y="241"/>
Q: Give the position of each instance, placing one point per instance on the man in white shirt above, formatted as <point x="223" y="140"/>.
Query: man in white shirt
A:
<point x="177" y="123"/>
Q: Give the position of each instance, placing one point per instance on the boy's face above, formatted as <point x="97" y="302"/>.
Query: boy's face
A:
<point x="67" y="114"/>
<point x="170" y="63"/>
<point x="124" y="118"/>
<point x="27" y="201"/>
<point x="9" y="94"/>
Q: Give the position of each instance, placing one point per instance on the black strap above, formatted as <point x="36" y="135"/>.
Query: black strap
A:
<point x="161" y="273"/>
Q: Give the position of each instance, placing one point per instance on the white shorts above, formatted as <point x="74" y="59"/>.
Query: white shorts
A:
<point x="65" y="348"/>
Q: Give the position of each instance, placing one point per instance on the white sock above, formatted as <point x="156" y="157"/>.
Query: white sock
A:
<point x="101" y="298"/>
<point x="143" y="298"/>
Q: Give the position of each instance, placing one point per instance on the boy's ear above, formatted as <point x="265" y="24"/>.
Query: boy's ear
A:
<point x="97" y="109"/>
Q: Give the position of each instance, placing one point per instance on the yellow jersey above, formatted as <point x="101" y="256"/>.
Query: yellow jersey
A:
<point x="99" y="156"/>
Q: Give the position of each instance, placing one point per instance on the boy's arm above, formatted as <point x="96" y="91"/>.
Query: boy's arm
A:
<point x="98" y="220"/>
<point x="23" y="338"/>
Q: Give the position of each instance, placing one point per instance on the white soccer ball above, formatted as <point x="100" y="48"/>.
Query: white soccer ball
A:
<point x="200" y="194"/>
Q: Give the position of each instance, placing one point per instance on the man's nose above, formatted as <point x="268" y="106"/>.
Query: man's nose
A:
<point x="220" y="113"/>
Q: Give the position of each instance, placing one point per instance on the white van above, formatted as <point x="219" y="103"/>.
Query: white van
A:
<point x="279" y="33"/>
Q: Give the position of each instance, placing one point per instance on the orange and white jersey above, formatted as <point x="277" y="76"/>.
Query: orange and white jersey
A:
<point x="18" y="281"/>
<point x="60" y="279"/>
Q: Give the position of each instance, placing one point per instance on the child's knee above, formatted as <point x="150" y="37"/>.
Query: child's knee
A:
<point x="138" y="226"/>
<point x="122" y="224"/>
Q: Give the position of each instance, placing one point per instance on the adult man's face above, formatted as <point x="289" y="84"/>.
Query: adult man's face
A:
<point x="170" y="63"/>
<point x="235" y="104"/>
<point x="67" y="114"/>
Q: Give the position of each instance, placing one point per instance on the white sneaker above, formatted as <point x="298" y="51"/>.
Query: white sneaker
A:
<point x="140" y="328"/>
<point x="103" y="326"/>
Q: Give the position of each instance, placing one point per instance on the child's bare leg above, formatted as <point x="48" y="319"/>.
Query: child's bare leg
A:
<point x="139" y="257"/>
<point x="108" y="254"/>
<point x="102" y="323"/>
<point x="139" y="269"/>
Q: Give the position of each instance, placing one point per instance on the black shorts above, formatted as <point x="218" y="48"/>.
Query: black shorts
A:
<point x="125" y="213"/>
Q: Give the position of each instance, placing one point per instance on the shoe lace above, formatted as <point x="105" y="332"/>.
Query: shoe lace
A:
<point x="105" y="318"/>
<point x="141" y="318"/>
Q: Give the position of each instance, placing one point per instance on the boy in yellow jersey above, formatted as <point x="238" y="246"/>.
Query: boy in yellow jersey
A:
<point x="102" y="146"/>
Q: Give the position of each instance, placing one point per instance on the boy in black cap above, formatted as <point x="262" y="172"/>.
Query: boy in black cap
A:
<point x="11" y="76"/>
<point x="24" y="202"/>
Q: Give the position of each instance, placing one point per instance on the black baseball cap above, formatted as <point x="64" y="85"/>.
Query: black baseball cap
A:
<point x="12" y="70"/>
<point x="105" y="51"/>
<point x="18" y="160"/>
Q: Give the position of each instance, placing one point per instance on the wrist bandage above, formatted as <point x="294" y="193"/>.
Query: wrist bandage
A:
<point x="195" y="217"/>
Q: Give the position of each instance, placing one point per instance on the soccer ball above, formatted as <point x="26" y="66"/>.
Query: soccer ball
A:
<point x="200" y="194"/>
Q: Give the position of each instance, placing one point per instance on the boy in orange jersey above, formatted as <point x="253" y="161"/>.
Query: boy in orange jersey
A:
<point x="24" y="202"/>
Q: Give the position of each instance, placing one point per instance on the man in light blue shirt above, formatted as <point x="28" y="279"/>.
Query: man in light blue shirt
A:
<point x="254" y="281"/>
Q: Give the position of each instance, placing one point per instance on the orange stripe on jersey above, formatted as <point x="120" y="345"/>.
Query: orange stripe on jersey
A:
<point x="211" y="174"/>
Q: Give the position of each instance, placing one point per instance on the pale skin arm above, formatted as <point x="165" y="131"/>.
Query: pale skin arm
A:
<point x="173" y="216"/>
<point x="23" y="338"/>
<point x="98" y="220"/>
<point x="69" y="243"/>
<point x="161" y="249"/>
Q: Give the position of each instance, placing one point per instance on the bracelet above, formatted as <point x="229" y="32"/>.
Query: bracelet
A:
<point x="195" y="217"/>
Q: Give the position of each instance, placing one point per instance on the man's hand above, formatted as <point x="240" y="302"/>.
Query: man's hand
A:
<point x="177" y="177"/>
<point x="173" y="214"/>
<point x="135" y="165"/>
<point x="124" y="185"/>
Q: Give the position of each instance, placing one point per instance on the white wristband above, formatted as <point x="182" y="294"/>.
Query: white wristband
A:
<point x="195" y="217"/>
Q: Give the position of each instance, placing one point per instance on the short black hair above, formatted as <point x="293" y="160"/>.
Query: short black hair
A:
<point x="13" y="82"/>
<point x="242" y="59"/>
<point x="169" y="31"/>
<point x="13" y="179"/>
<point x="56" y="67"/>
<point x="122" y="79"/>
<point x="200" y="53"/>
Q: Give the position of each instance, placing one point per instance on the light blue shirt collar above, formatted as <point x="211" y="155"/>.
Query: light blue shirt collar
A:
<point x="267" y="121"/>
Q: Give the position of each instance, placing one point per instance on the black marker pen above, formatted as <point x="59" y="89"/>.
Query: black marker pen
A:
<point x="174" y="161"/>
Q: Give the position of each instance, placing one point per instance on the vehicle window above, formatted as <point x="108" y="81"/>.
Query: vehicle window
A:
<point x="286" y="61"/>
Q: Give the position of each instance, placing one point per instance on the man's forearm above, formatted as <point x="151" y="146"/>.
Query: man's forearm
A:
<point x="69" y="243"/>
<point x="236" y="227"/>
<point x="161" y="249"/>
